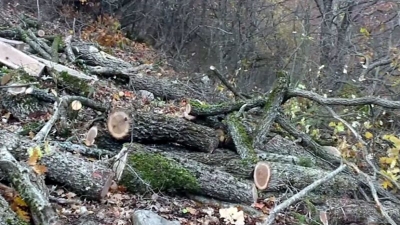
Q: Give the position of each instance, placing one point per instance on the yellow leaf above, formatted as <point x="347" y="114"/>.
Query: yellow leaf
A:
<point x="23" y="215"/>
<point x="364" y="31"/>
<point x="386" y="184"/>
<point x="393" y="164"/>
<point x="116" y="96"/>
<point x="332" y="124"/>
<point x="19" y="201"/>
<point x="368" y="135"/>
<point x="393" y="139"/>
<point x="46" y="147"/>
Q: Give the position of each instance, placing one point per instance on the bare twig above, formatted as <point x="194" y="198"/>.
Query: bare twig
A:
<point x="60" y="108"/>
<point x="302" y="193"/>
<point x="343" y="101"/>
<point x="19" y="85"/>
<point x="226" y="83"/>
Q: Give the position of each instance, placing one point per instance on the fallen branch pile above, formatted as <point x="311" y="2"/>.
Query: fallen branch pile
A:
<point x="170" y="148"/>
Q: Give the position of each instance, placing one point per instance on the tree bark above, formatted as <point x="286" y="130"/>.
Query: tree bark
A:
<point x="271" y="108"/>
<point x="166" y="172"/>
<point x="157" y="128"/>
<point x="283" y="174"/>
<point x="89" y="179"/>
<point x="8" y="217"/>
<point x="30" y="186"/>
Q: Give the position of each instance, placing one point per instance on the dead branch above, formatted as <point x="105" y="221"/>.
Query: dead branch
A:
<point x="91" y="180"/>
<point x="61" y="109"/>
<point x="272" y="214"/>
<point x="30" y="186"/>
<point x="343" y="101"/>
<point x="275" y="99"/>
<point x="225" y="82"/>
<point x="68" y="50"/>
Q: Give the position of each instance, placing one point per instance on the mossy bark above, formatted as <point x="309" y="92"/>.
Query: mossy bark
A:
<point x="164" y="171"/>
<point x="89" y="179"/>
<point x="275" y="99"/>
<point x="204" y="109"/>
<point x="284" y="174"/>
<point x="29" y="185"/>
<point x="243" y="142"/>
<point x="73" y="84"/>
<point x="24" y="107"/>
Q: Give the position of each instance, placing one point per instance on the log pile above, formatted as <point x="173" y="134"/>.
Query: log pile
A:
<point x="174" y="150"/>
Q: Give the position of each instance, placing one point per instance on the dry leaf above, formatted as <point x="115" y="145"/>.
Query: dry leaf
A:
<point x="39" y="169"/>
<point x="232" y="215"/>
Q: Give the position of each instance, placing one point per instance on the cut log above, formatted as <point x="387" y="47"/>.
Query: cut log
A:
<point x="22" y="106"/>
<point x="283" y="175"/>
<point x="89" y="179"/>
<point x="203" y="109"/>
<point x="83" y="150"/>
<point x="347" y="211"/>
<point x="95" y="57"/>
<point x="15" y="59"/>
<point x="156" y="128"/>
<point x="165" y="172"/>
<point x="103" y="64"/>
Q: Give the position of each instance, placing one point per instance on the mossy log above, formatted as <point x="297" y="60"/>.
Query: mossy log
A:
<point x="203" y="109"/>
<point x="33" y="43"/>
<point x="284" y="174"/>
<point x="165" y="172"/>
<point x="148" y="127"/>
<point x="8" y="217"/>
<point x="89" y="179"/>
<point x="29" y="185"/>
<point x="275" y="99"/>
<point x="243" y="142"/>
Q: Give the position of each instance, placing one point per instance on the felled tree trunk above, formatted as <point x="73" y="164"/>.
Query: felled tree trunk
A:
<point x="156" y="128"/>
<point x="165" y="172"/>
<point x="103" y="64"/>
<point x="89" y="179"/>
<point x="283" y="175"/>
